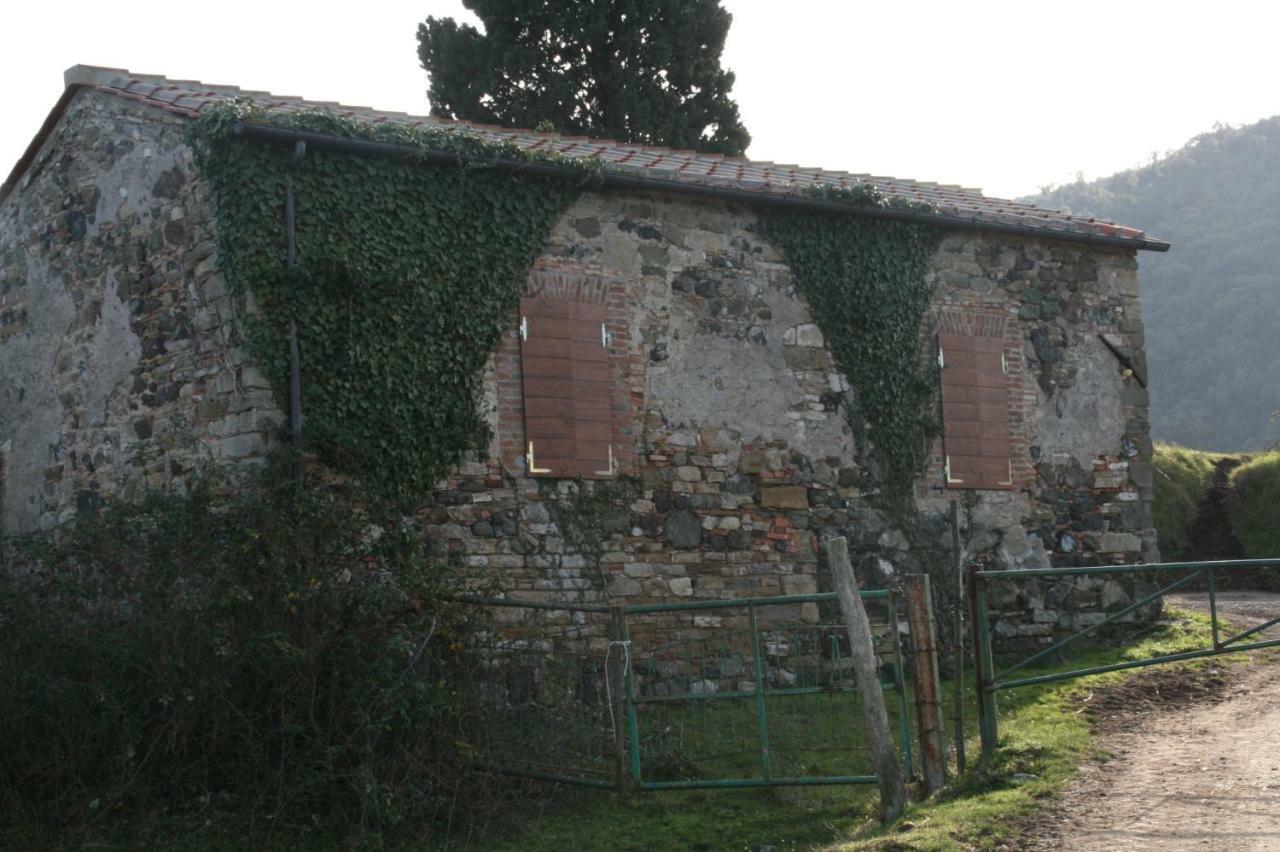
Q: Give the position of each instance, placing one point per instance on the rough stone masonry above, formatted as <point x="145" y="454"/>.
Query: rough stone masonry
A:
<point x="121" y="370"/>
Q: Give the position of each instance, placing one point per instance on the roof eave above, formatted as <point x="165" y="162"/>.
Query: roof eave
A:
<point x="625" y="180"/>
<point x="37" y="142"/>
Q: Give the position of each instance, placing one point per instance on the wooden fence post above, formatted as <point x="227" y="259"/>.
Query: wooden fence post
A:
<point x="893" y="793"/>
<point x="924" y="653"/>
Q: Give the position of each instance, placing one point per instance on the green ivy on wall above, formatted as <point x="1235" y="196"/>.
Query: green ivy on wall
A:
<point x="407" y="272"/>
<point x="864" y="279"/>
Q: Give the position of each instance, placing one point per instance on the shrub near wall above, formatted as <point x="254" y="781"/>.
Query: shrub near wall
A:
<point x="1247" y="514"/>
<point x="262" y="654"/>
<point x="1181" y="480"/>
<point x="1255" y="505"/>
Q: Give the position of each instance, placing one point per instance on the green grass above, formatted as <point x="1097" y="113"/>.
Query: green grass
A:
<point x="810" y="735"/>
<point x="1182" y="477"/>
<point x="1042" y="736"/>
<point x="1255" y="506"/>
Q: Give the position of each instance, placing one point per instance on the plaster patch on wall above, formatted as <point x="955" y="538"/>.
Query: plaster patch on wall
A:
<point x="730" y="383"/>
<point x="489" y="405"/>
<point x="110" y="356"/>
<point x="1084" y="418"/>
<point x="31" y="415"/>
<point x="127" y="189"/>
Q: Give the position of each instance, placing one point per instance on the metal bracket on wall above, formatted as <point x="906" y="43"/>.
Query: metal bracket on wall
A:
<point x="1124" y="360"/>
<point x="533" y="468"/>
<point x="610" y="471"/>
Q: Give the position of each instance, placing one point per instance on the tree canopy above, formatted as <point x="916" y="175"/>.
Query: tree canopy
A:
<point x="645" y="71"/>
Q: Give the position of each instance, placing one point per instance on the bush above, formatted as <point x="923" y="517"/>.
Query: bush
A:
<point x="257" y="653"/>
<point x="1181" y="480"/>
<point x="1255" y="506"/>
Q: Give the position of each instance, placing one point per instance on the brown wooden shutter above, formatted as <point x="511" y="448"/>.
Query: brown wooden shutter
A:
<point x="975" y="412"/>
<point x="568" y="389"/>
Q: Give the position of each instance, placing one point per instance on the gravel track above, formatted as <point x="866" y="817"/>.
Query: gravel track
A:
<point x="1196" y="757"/>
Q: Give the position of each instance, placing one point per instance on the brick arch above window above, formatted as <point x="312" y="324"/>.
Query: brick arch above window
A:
<point x="567" y="286"/>
<point x="973" y="323"/>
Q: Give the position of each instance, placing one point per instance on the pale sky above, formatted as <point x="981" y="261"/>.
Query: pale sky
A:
<point x="1003" y="96"/>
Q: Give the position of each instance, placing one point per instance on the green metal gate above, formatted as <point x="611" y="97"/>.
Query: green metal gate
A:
<point x="1175" y="575"/>
<point x="701" y="694"/>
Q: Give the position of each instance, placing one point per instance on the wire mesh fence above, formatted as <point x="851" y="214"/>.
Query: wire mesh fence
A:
<point x="701" y="694"/>
<point x="540" y="684"/>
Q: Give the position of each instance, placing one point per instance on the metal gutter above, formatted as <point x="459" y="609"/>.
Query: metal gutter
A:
<point x="321" y="141"/>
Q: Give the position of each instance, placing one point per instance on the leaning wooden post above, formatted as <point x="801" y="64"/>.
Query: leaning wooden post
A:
<point x="924" y="653"/>
<point x="893" y="793"/>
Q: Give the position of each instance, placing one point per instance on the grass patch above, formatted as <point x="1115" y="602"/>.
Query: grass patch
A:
<point x="1254" y="508"/>
<point x="1044" y="736"/>
<point x="809" y="735"/>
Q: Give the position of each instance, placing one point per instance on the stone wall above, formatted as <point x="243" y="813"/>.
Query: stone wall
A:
<point x="122" y="371"/>
<point x="119" y="364"/>
<point x="744" y="463"/>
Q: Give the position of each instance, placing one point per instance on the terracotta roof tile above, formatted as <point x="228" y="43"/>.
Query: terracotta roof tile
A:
<point x="190" y="97"/>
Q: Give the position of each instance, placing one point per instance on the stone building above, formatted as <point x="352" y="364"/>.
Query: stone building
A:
<point x="119" y="371"/>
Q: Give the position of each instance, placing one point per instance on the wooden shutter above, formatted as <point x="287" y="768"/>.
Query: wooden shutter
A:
<point x="975" y="412"/>
<point x="568" y="389"/>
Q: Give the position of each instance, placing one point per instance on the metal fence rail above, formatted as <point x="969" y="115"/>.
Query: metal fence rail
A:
<point x="702" y="694"/>
<point x="989" y="681"/>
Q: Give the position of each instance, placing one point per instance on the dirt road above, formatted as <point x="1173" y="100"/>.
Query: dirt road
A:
<point x="1202" y="775"/>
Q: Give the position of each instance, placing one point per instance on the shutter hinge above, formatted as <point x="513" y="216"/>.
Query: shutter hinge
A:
<point x="605" y="337"/>
<point x="524" y="328"/>
<point x="533" y="468"/>
<point x="610" y="471"/>
<point x="942" y="361"/>
<point x="947" y="468"/>
<point x="1004" y="365"/>
<point x="1010" y="480"/>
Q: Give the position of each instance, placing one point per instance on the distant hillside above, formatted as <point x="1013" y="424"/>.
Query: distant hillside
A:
<point x="1212" y="304"/>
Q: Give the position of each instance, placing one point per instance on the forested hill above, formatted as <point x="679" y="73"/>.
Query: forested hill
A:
<point x="1212" y="303"/>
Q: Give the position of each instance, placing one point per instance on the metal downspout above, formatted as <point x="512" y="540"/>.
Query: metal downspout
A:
<point x="295" y="357"/>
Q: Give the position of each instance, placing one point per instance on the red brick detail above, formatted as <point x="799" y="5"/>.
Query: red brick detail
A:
<point x="567" y="286"/>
